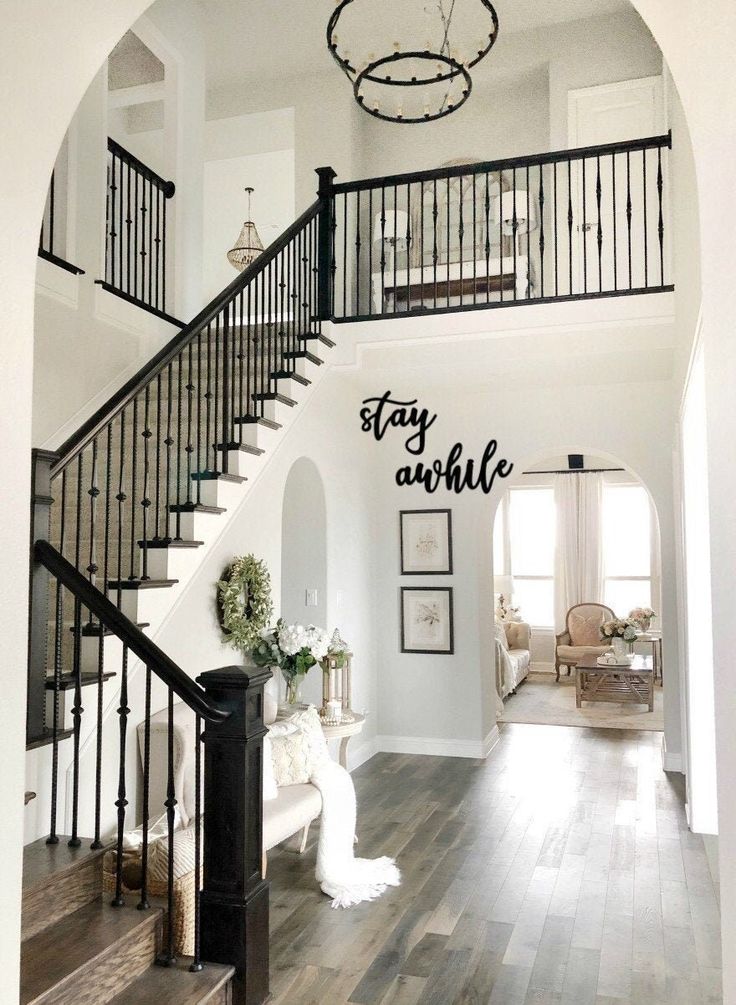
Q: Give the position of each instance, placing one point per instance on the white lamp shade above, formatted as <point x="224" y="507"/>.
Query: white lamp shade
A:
<point x="504" y="585"/>
<point x="515" y="201"/>
<point x="395" y="228"/>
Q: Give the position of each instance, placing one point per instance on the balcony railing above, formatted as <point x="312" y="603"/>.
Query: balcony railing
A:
<point x="53" y="220"/>
<point x="558" y="226"/>
<point x="137" y="229"/>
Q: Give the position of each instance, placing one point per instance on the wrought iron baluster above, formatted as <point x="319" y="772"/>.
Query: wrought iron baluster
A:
<point x="527" y="283"/>
<point x="159" y="430"/>
<point x="371" y="293"/>
<point x="628" y="214"/>
<point x="447" y="260"/>
<point x="487" y="231"/>
<point x="145" y="809"/>
<point x="121" y="802"/>
<point x="394" y="231"/>
<point x="53" y="837"/>
<point x="145" y="501"/>
<point x="190" y="388"/>
<point x="177" y="458"/>
<point x="121" y="497"/>
<point x="646" y="225"/>
<point x="541" y="230"/>
<point x="133" y="574"/>
<point x="613" y="221"/>
<point x="660" y="220"/>
<point x="110" y="227"/>
<point x="408" y="243"/>
<point x="460" y="232"/>
<point x="135" y="234"/>
<point x="515" y="225"/>
<point x="129" y="228"/>
<point x="501" y="243"/>
<point x="569" y="222"/>
<point x="77" y="710"/>
<point x="357" y="252"/>
<point x="345" y="254"/>
<point x="196" y="963"/>
<point x="97" y="842"/>
<point x="585" y="233"/>
<point x="474" y="247"/>
<point x="598" y="191"/>
<point x="556" y="237"/>
<point x="421" y="239"/>
<point x="169" y="443"/>
<point x="383" y="249"/>
<point x="201" y="463"/>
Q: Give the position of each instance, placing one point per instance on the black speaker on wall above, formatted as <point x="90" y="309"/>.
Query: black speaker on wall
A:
<point x="576" y="462"/>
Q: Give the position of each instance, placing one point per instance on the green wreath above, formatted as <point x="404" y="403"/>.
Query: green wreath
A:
<point x="244" y="596"/>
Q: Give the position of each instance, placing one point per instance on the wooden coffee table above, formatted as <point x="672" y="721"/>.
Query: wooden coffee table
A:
<point x="615" y="683"/>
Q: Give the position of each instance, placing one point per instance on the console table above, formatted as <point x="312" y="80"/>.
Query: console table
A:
<point x="343" y="731"/>
<point x="619" y="684"/>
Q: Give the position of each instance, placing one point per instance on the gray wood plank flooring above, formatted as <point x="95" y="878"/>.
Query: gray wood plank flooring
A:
<point x="560" y="870"/>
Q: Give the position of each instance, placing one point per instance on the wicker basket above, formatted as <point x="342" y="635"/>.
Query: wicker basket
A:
<point x="157" y="887"/>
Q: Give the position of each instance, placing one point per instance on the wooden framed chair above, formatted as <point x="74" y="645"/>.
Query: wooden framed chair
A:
<point x="582" y="635"/>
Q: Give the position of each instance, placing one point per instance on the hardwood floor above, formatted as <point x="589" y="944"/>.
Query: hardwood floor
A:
<point x="559" y="871"/>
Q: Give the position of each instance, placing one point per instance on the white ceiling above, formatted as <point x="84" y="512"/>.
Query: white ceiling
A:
<point x="256" y="39"/>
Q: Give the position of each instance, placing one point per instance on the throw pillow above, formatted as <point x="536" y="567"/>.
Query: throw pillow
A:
<point x="291" y="759"/>
<point x="585" y="629"/>
<point x="310" y="724"/>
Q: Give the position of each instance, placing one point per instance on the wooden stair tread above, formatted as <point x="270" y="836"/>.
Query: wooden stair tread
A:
<point x="175" y="985"/>
<point x="314" y="337"/>
<point x="303" y="354"/>
<point x="140" y="584"/>
<point x="67" y="680"/>
<point x="245" y="448"/>
<point x="287" y="375"/>
<point x="45" y="862"/>
<point x="169" y="543"/>
<point x="47" y="737"/>
<point x="196" y="508"/>
<point x="259" y="420"/>
<point x="274" y="396"/>
<point x="52" y="959"/>
<point x="218" y="476"/>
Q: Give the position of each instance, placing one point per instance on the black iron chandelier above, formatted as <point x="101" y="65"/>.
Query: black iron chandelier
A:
<point x="424" y="73"/>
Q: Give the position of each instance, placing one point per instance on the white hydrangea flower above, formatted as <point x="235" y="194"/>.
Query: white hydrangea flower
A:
<point x="318" y="642"/>
<point x="292" y="638"/>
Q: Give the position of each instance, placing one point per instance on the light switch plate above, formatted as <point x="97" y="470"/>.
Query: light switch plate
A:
<point x="311" y="598"/>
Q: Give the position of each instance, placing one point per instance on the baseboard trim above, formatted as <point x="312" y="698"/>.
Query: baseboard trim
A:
<point x="361" y="754"/>
<point x="671" y="761"/>
<point x="437" y="746"/>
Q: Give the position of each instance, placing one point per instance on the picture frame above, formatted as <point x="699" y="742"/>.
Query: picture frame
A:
<point x="425" y="542"/>
<point x="427" y="620"/>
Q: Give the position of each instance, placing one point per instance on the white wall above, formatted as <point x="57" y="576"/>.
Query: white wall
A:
<point x="248" y="150"/>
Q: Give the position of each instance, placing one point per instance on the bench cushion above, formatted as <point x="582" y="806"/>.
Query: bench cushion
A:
<point x="296" y="806"/>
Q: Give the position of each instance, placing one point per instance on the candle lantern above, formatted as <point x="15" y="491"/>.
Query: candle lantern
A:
<point x="337" y="683"/>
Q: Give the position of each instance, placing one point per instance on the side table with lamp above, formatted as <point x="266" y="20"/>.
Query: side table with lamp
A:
<point x="339" y="721"/>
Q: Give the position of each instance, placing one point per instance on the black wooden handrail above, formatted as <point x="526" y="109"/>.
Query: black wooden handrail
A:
<point x="130" y="635"/>
<point x="138" y="382"/>
<point x="486" y="167"/>
<point x="167" y="187"/>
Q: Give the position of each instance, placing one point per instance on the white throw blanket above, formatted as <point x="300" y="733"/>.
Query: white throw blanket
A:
<point x="342" y="876"/>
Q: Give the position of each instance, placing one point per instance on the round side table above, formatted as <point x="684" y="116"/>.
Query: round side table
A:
<point x="343" y="731"/>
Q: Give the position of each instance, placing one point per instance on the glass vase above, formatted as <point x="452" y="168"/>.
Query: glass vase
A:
<point x="619" y="648"/>
<point x="292" y="695"/>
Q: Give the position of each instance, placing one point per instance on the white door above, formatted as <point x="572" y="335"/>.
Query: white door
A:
<point x="616" y="197"/>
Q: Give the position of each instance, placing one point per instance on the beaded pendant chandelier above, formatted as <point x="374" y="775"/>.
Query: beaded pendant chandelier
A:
<point x="418" y="67"/>
<point x="248" y="245"/>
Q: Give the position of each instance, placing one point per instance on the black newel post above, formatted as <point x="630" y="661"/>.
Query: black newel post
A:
<point x="324" y="242"/>
<point x="41" y="501"/>
<point x="234" y="902"/>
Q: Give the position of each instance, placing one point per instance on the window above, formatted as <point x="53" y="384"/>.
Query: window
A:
<point x="532" y="546"/>
<point x="626" y="531"/>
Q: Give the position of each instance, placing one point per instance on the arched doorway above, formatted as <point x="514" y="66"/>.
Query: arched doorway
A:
<point x="573" y="529"/>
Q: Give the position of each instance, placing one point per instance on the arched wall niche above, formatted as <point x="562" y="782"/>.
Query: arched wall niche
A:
<point x="304" y="556"/>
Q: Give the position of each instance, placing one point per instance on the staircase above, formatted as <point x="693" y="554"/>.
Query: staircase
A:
<point x="122" y="515"/>
<point x="78" y="949"/>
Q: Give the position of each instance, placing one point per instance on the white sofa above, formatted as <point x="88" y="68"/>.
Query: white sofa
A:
<point x="513" y="655"/>
<point x="292" y="812"/>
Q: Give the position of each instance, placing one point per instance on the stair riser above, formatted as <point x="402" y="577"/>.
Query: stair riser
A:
<point x="220" y="493"/>
<point x="61" y="896"/>
<point x="172" y="563"/>
<point x="119" y="965"/>
<point x="243" y="464"/>
<point x="148" y="605"/>
<point x="256" y="435"/>
<point x="196" y="526"/>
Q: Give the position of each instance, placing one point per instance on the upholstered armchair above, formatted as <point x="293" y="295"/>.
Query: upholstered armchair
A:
<point x="582" y="635"/>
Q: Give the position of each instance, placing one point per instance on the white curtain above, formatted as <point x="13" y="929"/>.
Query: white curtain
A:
<point x="578" y="549"/>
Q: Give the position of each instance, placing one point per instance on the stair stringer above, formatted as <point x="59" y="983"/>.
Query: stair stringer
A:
<point x="38" y="762"/>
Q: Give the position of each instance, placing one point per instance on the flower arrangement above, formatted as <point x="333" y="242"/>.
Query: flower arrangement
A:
<point x="505" y="611"/>
<point x="294" y="649"/>
<point x="643" y="617"/>
<point x="620" y="628"/>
